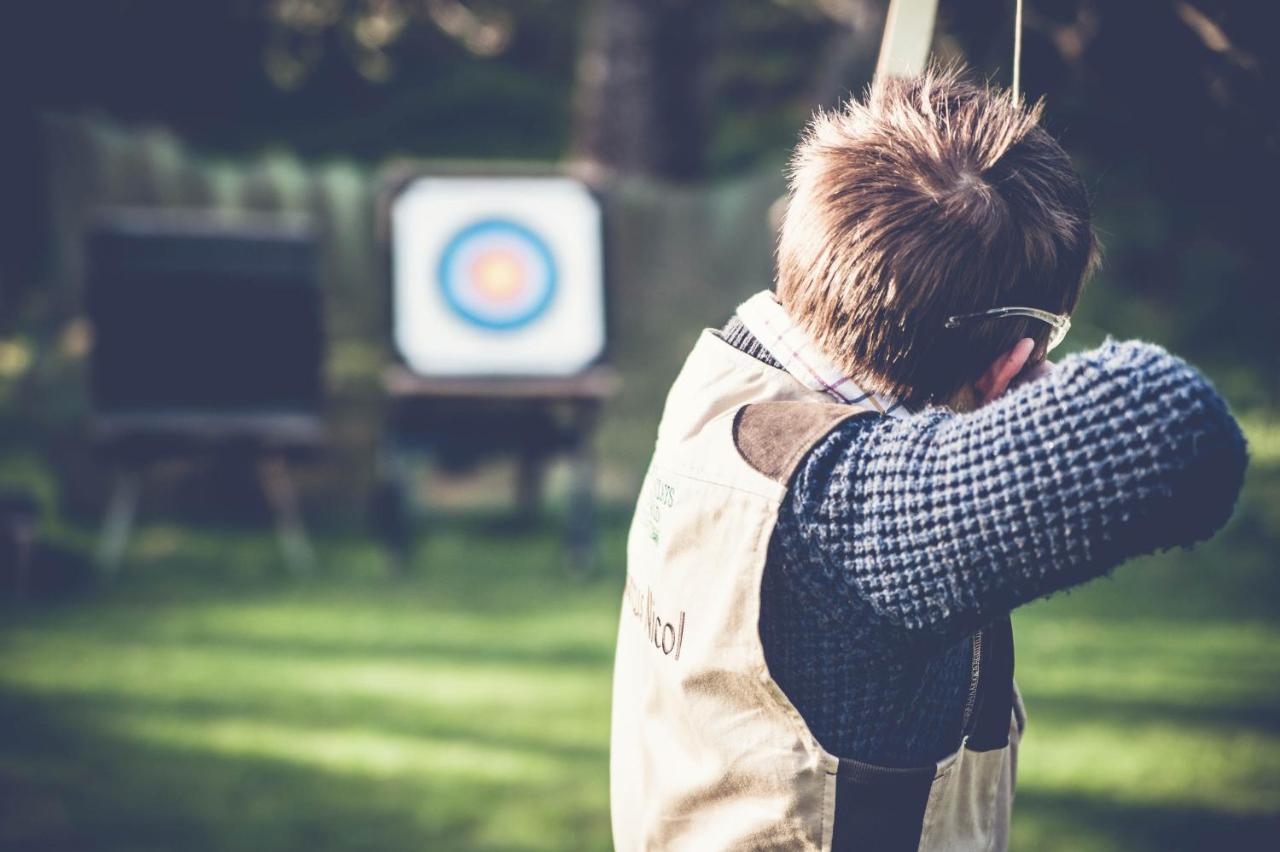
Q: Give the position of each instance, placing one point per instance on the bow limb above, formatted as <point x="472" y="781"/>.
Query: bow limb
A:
<point x="908" y="32"/>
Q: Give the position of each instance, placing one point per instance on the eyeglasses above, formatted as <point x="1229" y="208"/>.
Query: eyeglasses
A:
<point x="1061" y="323"/>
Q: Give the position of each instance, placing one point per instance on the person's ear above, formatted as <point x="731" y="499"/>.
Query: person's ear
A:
<point x="1003" y="369"/>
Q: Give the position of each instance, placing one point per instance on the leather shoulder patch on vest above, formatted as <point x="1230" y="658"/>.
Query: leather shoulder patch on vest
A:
<point x="773" y="437"/>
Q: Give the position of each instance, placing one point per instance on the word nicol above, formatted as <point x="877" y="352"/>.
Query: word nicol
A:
<point x="666" y="636"/>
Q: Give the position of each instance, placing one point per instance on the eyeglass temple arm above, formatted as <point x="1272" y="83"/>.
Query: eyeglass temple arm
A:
<point x="1047" y="316"/>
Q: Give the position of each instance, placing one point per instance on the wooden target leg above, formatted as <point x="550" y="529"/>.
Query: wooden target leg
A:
<point x="117" y="526"/>
<point x="392" y="508"/>
<point x="530" y="470"/>
<point x="277" y="485"/>
<point x="581" y="523"/>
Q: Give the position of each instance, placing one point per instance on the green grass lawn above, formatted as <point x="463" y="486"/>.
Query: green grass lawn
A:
<point x="205" y="701"/>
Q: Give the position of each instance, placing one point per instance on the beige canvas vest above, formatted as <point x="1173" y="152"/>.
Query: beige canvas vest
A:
<point x="707" y="752"/>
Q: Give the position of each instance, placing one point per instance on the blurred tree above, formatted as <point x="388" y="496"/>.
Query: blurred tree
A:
<point x="1172" y="101"/>
<point x="848" y="58"/>
<point x="1172" y="108"/>
<point x="362" y="78"/>
<point x="367" y="29"/>
<point x="644" y="87"/>
<point x="679" y="88"/>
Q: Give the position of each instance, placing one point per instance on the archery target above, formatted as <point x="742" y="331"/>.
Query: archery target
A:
<point x="497" y="276"/>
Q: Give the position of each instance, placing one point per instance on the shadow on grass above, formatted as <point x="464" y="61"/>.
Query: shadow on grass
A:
<point x="498" y="649"/>
<point x="85" y="710"/>
<point x="1045" y="820"/>
<point x="1206" y="714"/>
<point x="68" y="786"/>
<point x="64" y="788"/>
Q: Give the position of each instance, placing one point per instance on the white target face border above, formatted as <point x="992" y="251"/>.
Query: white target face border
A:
<point x="433" y="338"/>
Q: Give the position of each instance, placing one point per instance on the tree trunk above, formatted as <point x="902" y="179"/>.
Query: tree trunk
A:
<point x="848" y="60"/>
<point x="644" y="89"/>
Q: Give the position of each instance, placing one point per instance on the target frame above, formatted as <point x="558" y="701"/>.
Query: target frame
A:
<point x="427" y="210"/>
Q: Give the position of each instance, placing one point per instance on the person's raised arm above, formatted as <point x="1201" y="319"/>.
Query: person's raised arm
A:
<point x="941" y="522"/>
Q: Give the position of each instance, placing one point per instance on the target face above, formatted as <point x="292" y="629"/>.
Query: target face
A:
<point x="498" y="274"/>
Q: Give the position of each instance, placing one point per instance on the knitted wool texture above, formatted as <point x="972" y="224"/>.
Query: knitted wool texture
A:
<point x="901" y="538"/>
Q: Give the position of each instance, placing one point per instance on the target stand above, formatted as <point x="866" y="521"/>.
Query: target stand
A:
<point x="498" y="325"/>
<point x="208" y="350"/>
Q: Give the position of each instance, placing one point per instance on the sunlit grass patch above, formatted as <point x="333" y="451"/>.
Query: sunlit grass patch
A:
<point x="1262" y="431"/>
<point x="350" y="749"/>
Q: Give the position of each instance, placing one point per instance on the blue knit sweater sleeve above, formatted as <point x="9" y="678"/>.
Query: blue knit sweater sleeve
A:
<point x="932" y="525"/>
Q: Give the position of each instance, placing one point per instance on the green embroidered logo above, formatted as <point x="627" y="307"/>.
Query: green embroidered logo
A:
<point x="662" y="496"/>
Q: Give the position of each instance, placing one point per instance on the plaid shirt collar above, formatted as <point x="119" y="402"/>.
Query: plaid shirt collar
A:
<point x="791" y="347"/>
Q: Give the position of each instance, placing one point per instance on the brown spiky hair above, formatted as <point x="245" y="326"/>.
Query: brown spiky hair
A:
<point x="929" y="197"/>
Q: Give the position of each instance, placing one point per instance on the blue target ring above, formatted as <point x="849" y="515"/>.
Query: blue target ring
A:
<point x="497" y="274"/>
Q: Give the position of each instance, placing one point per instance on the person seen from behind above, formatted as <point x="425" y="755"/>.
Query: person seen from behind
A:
<point x="863" y="473"/>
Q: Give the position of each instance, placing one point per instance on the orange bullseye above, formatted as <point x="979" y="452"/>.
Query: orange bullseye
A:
<point x="498" y="275"/>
